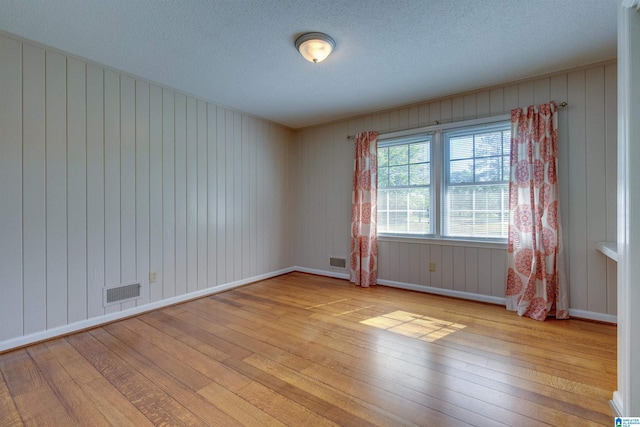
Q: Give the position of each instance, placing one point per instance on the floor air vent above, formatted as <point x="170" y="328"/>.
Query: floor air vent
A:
<point x="338" y="262"/>
<point x="121" y="293"/>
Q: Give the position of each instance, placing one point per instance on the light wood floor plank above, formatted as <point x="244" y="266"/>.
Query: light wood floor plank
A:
<point x="237" y="407"/>
<point x="73" y="399"/>
<point x="33" y="397"/>
<point x="371" y="413"/>
<point x="103" y="395"/>
<point x="9" y="415"/>
<point x="176" y="380"/>
<point x="157" y="406"/>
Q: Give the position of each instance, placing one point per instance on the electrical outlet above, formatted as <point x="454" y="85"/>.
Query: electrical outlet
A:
<point x="152" y="277"/>
<point x="432" y="267"/>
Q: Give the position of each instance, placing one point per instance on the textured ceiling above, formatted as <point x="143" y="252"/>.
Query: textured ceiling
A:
<point x="241" y="54"/>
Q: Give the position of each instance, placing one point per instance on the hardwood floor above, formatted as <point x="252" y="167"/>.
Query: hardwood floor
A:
<point x="305" y="350"/>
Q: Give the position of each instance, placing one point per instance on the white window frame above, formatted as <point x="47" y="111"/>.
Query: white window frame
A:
<point x="437" y="177"/>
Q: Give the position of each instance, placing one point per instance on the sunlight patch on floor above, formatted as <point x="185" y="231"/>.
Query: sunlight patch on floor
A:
<point x="414" y="325"/>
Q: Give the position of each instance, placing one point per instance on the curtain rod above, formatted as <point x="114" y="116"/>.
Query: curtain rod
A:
<point x="563" y="104"/>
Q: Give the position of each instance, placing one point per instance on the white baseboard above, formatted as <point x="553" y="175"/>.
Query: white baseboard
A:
<point x="591" y="315"/>
<point x="322" y="272"/>
<point x="108" y="318"/>
<point x="582" y="314"/>
<point x="444" y="292"/>
<point x="616" y="404"/>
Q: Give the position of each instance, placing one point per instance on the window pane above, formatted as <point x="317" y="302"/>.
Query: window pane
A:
<point x="419" y="199"/>
<point x="419" y="152"/>
<point x="382" y="200"/>
<point x="382" y="221"/>
<point x="460" y="224"/>
<point x="461" y="171"/>
<point x="383" y="156"/>
<point x="488" y="169"/>
<point x="477" y="211"/>
<point x="491" y="198"/>
<point x="461" y="198"/>
<point x="407" y="211"/>
<point x="398" y="175"/>
<point x="383" y="176"/>
<point x="397" y="222"/>
<point x="506" y="142"/>
<point x="461" y="147"/>
<point x="488" y="144"/>
<point x="505" y="168"/>
<point x="397" y="199"/>
<point x="419" y="174"/>
<point x="474" y="206"/>
<point x="398" y="155"/>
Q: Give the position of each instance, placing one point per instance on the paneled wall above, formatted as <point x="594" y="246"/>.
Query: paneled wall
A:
<point x="105" y="178"/>
<point x="323" y="162"/>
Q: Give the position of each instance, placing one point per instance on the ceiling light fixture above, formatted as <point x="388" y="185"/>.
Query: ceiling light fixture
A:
<point x="315" y="47"/>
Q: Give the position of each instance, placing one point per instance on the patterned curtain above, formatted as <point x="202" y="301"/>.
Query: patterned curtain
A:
<point x="364" y="238"/>
<point x="536" y="285"/>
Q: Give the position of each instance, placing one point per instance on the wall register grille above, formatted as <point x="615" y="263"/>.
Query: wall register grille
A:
<point x="121" y="293"/>
<point x="338" y="262"/>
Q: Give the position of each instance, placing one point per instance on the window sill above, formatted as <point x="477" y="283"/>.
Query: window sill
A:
<point x="610" y="249"/>
<point x="441" y="241"/>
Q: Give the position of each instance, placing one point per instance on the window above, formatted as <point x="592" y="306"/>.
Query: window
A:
<point x="476" y="183"/>
<point x="404" y="186"/>
<point x="452" y="183"/>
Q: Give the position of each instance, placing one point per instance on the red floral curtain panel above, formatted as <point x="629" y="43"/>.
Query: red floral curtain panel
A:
<point x="536" y="285"/>
<point x="364" y="239"/>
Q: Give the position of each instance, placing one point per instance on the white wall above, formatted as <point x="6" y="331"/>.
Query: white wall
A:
<point x="105" y="178"/>
<point x="323" y="162"/>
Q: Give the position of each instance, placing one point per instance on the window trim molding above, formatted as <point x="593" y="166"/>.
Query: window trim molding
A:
<point x="443" y="126"/>
<point x="442" y="241"/>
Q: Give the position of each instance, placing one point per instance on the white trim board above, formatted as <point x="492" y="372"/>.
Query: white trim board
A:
<point x="335" y="274"/>
<point x="444" y="292"/>
<point x="25" y="340"/>
<point x="617" y="404"/>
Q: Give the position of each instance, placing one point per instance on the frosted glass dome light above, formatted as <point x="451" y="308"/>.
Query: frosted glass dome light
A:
<point x="315" y="47"/>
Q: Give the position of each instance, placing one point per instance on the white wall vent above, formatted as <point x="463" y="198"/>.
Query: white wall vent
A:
<point x="122" y="293"/>
<point x="338" y="262"/>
